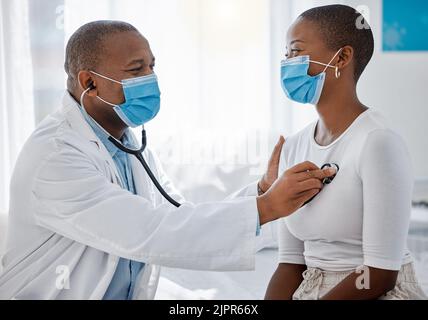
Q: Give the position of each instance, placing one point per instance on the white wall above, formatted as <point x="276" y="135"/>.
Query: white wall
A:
<point x="396" y="84"/>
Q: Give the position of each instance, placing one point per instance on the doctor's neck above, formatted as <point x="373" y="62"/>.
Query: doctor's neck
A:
<point x="112" y="124"/>
<point x="337" y="109"/>
<point x="104" y="116"/>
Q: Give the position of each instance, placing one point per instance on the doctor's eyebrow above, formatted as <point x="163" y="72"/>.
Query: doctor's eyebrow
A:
<point x="139" y="61"/>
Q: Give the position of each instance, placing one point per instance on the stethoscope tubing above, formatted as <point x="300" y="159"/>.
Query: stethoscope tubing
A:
<point x="138" y="153"/>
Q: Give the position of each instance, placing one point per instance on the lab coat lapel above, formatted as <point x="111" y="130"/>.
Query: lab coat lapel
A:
<point x="79" y="124"/>
<point x="148" y="279"/>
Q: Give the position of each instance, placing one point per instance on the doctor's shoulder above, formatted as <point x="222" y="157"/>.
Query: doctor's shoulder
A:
<point x="54" y="137"/>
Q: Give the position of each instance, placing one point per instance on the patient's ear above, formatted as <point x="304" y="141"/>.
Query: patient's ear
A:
<point x="346" y="57"/>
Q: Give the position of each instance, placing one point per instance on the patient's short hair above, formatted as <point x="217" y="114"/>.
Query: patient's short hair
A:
<point x="86" y="46"/>
<point x="342" y="25"/>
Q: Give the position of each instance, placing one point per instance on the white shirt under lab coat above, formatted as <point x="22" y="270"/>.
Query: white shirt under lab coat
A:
<point x="70" y="221"/>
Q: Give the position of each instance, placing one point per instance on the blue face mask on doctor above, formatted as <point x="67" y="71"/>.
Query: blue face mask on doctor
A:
<point x="142" y="99"/>
<point x="298" y="85"/>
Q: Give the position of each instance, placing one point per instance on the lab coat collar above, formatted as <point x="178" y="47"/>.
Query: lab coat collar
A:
<point x="94" y="135"/>
<point x="70" y="108"/>
<point x="104" y="137"/>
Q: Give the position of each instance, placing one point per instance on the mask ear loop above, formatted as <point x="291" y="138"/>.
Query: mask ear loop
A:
<point x="337" y="72"/>
<point x="107" y="78"/>
<point x="336" y="68"/>
<point x="104" y="77"/>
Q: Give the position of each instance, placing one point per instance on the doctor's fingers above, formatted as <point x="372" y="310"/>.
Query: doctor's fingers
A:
<point x="309" y="184"/>
<point x="303" y="167"/>
<point x="315" y="174"/>
<point x="306" y="196"/>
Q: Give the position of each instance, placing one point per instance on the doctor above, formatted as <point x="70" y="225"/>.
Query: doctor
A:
<point x="85" y="220"/>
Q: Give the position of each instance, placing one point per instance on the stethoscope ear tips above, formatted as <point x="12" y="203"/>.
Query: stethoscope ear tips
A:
<point x="330" y="165"/>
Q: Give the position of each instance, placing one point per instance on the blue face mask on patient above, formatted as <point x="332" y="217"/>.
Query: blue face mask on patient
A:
<point x="298" y="85"/>
<point x="142" y="99"/>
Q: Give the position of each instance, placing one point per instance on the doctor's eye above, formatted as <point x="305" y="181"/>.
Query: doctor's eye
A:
<point x="136" y="69"/>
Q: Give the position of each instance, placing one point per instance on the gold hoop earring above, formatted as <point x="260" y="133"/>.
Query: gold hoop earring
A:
<point x="337" y="73"/>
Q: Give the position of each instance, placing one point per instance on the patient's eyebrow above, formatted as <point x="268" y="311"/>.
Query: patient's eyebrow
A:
<point x="296" y="40"/>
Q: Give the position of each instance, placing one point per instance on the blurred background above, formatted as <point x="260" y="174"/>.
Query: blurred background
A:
<point x="222" y="105"/>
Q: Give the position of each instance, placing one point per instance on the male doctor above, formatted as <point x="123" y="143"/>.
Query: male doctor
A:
<point x="85" y="220"/>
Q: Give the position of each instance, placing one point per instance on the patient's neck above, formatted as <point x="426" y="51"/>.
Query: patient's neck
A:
<point x="337" y="111"/>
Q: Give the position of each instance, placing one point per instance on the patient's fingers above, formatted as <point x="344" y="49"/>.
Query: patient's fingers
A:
<point x="276" y="154"/>
<point x="317" y="174"/>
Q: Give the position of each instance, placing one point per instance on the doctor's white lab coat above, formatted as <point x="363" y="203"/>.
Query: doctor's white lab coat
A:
<point x="70" y="220"/>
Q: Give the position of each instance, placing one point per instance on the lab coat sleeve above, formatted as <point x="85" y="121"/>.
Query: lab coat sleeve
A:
<point x="248" y="191"/>
<point x="74" y="198"/>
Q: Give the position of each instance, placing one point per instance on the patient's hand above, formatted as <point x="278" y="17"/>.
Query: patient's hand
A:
<point x="271" y="173"/>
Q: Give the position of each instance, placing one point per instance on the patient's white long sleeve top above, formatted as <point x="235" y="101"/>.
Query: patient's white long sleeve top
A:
<point x="362" y="217"/>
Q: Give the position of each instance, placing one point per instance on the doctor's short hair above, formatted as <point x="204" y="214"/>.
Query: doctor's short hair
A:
<point x="86" y="46"/>
<point x="341" y="25"/>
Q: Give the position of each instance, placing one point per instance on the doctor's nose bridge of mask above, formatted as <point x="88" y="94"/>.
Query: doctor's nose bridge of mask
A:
<point x="326" y="181"/>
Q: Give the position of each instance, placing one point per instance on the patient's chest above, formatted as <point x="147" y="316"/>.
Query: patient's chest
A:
<point x="336" y="213"/>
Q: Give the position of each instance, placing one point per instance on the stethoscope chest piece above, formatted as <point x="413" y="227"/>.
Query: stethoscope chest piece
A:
<point x="330" y="179"/>
<point x="326" y="180"/>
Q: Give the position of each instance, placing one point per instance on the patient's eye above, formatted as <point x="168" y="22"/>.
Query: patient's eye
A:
<point x="295" y="52"/>
<point x="292" y="53"/>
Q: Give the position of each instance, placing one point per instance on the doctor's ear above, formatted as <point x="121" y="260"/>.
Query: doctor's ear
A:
<point x="86" y="82"/>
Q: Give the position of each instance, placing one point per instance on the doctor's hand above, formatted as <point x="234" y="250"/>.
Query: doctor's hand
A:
<point x="291" y="190"/>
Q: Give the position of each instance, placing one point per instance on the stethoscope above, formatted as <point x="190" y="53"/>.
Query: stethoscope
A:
<point x="325" y="180"/>
<point x="138" y="153"/>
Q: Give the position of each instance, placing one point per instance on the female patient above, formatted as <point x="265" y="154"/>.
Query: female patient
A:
<point x="349" y="242"/>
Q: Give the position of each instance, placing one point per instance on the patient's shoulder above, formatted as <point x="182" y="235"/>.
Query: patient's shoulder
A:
<point x="373" y="120"/>
<point x="376" y="129"/>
